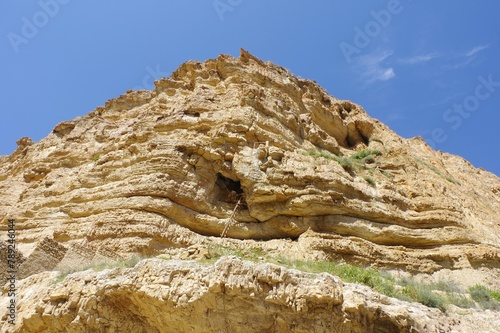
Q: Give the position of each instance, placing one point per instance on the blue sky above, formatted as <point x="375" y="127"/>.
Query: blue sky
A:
<point x="423" y="68"/>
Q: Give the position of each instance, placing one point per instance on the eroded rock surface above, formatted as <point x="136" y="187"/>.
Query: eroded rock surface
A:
<point x="242" y="148"/>
<point x="230" y="296"/>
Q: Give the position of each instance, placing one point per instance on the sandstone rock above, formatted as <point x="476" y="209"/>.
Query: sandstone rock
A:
<point x="232" y="295"/>
<point x="150" y="159"/>
<point x="242" y="148"/>
<point x="10" y="261"/>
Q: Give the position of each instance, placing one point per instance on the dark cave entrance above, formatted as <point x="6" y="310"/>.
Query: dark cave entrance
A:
<point x="230" y="190"/>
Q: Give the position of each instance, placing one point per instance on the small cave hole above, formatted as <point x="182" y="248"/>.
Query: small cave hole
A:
<point x="326" y="100"/>
<point x="348" y="106"/>
<point x="230" y="190"/>
<point x="192" y="113"/>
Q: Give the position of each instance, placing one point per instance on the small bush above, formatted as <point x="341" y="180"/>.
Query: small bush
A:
<point x="480" y="293"/>
<point x="495" y="295"/>
<point x="430" y="299"/>
<point x="484" y="297"/>
<point x="460" y="300"/>
<point x="349" y="163"/>
<point x="380" y="282"/>
<point x="436" y="170"/>
<point x="346" y="163"/>
<point x="447" y="286"/>
<point x="371" y="181"/>
<point x="315" y="153"/>
<point x="100" y="266"/>
<point x="423" y="293"/>
<point x="387" y="174"/>
<point x="365" y="153"/>
<point x="453" y="180"/>
<point x="217" y="251"/>
<point x="369" y="277"/>
<point x="436" y="295"/>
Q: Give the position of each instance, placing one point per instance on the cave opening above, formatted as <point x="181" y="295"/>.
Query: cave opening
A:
<point x="230" y="190"/>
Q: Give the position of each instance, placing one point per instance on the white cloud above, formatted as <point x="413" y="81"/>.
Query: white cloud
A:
<point x="419" y="58"/>
<point x="372" y="68"/>
<point x="476" y="49"/>
<point x="385" y="74"/>
<point x="458" y="60"/>
<point x="469" y="56"/>
<point x="463" y="63"/>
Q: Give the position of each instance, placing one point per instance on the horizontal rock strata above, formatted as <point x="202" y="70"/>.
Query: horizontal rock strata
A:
<point x="230" y="296"/>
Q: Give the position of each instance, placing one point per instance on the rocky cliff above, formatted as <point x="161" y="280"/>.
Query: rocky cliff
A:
<point x="229" y="296"/>
<point x="240" y="151"/>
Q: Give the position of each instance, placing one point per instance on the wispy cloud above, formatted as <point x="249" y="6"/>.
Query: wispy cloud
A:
<point x="461" y="64"/>
<point x="476" y="49"/>
<point x="455" y="59"/>
<point x="372" y="67"/>
<point x="467" y="57"/>
<point x="419" y="59"/>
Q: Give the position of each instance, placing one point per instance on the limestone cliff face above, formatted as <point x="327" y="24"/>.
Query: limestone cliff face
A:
<point x="230" y="296"/>
<point x="240" y="148"/>
<point x="130" y="175"/>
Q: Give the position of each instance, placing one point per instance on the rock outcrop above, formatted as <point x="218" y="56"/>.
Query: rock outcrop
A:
<point x="230" y="296"/>
<point x="241" y="148"/>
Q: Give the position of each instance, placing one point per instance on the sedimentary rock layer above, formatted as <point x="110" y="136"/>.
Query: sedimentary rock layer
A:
<point x="240" y="147"/>
<point x="230" y="296"/>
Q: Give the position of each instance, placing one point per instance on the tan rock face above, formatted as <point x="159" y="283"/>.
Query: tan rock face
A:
<point x="127" y="175"/>
<point x="244" y="149"/>
<point x="230" y="296"/>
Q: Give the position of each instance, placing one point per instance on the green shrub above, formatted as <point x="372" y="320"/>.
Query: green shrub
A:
<point x="371" y="181"/>
<point x="460" y="300"/>
<point x="316" y="153"/>
<point x="379" y="281"/>
<point x="345" y="162"/>
<point x="423" y="293"/>
<point x="349" y="163"/>
<point x="387" y="174"/>
<point x="495" y="295"/>
<point x="485" y="297"/>
<point x="480" y="293"/>
<point x="430" y="299"/>
<point x="436" y="295"/>
<point x="436" y="170"/>
<point x="366" y="153"/>
<point x="447" y="286"/>
<point x="453" y="180"/>
<point x="217" y="251"/>
<point x="100" y="266"/>
<point x="454" y="294"/>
